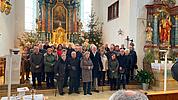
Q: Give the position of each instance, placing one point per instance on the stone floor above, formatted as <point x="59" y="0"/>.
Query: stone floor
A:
<point x="96" y="96"/>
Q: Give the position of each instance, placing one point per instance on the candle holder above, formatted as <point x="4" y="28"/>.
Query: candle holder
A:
<point x="33" y="94"/>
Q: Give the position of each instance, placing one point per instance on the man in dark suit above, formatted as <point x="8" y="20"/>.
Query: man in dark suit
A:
<point x="97" y="67"/>
<point x="73" y="67"/>
<point x="36" y="61"/>
<point x="133" y="55"/>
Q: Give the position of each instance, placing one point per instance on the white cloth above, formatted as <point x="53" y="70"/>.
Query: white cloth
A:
<point x="104" y="61"/>
<point x="26" y="97"/>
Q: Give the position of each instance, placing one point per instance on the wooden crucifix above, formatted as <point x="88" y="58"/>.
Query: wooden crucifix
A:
<point x="128" y="39"/>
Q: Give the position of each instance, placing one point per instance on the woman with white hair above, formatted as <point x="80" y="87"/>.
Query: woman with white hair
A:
<point x="86" y="66"/>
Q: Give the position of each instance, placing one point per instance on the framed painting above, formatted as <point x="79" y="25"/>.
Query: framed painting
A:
<point x="59" y="17"/>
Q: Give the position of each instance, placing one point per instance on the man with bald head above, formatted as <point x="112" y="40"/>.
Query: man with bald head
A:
<point x="36" y="61"/>
<point x="128" y="95"/>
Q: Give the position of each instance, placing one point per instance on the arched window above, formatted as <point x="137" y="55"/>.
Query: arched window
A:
<point x="86" y="6"/>
<point x="30" y="15"/>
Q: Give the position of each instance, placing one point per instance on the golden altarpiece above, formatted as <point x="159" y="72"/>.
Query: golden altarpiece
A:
<point x="57" y="20"/>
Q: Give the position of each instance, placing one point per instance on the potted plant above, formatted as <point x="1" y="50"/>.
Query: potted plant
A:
<point x="145" y="78"/>
<point x="148" y="59"/>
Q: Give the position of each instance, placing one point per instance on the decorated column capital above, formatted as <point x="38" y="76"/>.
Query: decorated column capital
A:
<point x="156" y="15"/>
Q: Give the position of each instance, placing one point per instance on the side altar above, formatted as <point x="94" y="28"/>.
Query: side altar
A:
<point x="161" y="35"/>
<point x="162" y="27"/>
<point x="57" y="19"/>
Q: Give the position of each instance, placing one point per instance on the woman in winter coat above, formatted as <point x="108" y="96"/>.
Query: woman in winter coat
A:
<point x="86" y="66"/>
<point x="113" y="72"/>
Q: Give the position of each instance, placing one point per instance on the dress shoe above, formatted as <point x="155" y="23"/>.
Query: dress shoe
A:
<point x="90" y="93"/>
<point x="70" y="93"/>
<point x="77" y="92"/>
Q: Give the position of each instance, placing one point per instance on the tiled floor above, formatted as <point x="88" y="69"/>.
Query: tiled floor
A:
<point x="96" y="96"/>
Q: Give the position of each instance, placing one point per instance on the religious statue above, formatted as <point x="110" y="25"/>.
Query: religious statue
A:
<point x="79" y="26"/>
<point x="165" y="29"/>
<point x="59" y="36"/>
<point x="86" y="44"/>
<point x="149" y="33"/>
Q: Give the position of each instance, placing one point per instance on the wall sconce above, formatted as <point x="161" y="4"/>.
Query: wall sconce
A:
<point x="120" y="32"/>
<point x="5" y="6"/>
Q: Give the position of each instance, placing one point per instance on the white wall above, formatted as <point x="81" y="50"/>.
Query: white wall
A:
<point x="132" y="15"/>
<point x="7" y="29"/>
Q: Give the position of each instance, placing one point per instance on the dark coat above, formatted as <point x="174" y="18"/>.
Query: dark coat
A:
<point x="60" y="69"/>
<point x="69" y="51"/>
<point x="79" y="55"/>
<point x="46" y="47"/>
<point x="113" y="68"/>
<point x="107" y="49"/>
<point x="133" y="55"/>
<point x="86" y="72"/>
<point x="122" y="61"/>
<point x="36" y="60"/>
<point x="128" y="61"/>
<point x="97" y="63"/>
<point x="42" y="51"/>
<point x="109" y="54"/>
<point x="74" y="67"/>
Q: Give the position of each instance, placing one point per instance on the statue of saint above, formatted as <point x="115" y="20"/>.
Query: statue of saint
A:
<point x="59" y="35"/>
<point x="149" y="33"/>
<point x="165" y="29"/>
<point x="79" y="26"/>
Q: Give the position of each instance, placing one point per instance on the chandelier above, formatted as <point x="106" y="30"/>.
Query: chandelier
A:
<point x="5" y="6"/>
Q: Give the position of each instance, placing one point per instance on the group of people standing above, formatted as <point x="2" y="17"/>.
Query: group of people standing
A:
<point x="60" y="66"/>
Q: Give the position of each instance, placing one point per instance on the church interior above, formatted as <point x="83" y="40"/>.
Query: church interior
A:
<point x="88" y="49"/>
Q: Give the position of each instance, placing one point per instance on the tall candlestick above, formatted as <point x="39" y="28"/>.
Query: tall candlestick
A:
<point x="165" y="72"/>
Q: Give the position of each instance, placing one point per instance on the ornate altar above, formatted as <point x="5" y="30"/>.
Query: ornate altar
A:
<point x="163" y="17"/>
<point x="57" y="19"/>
